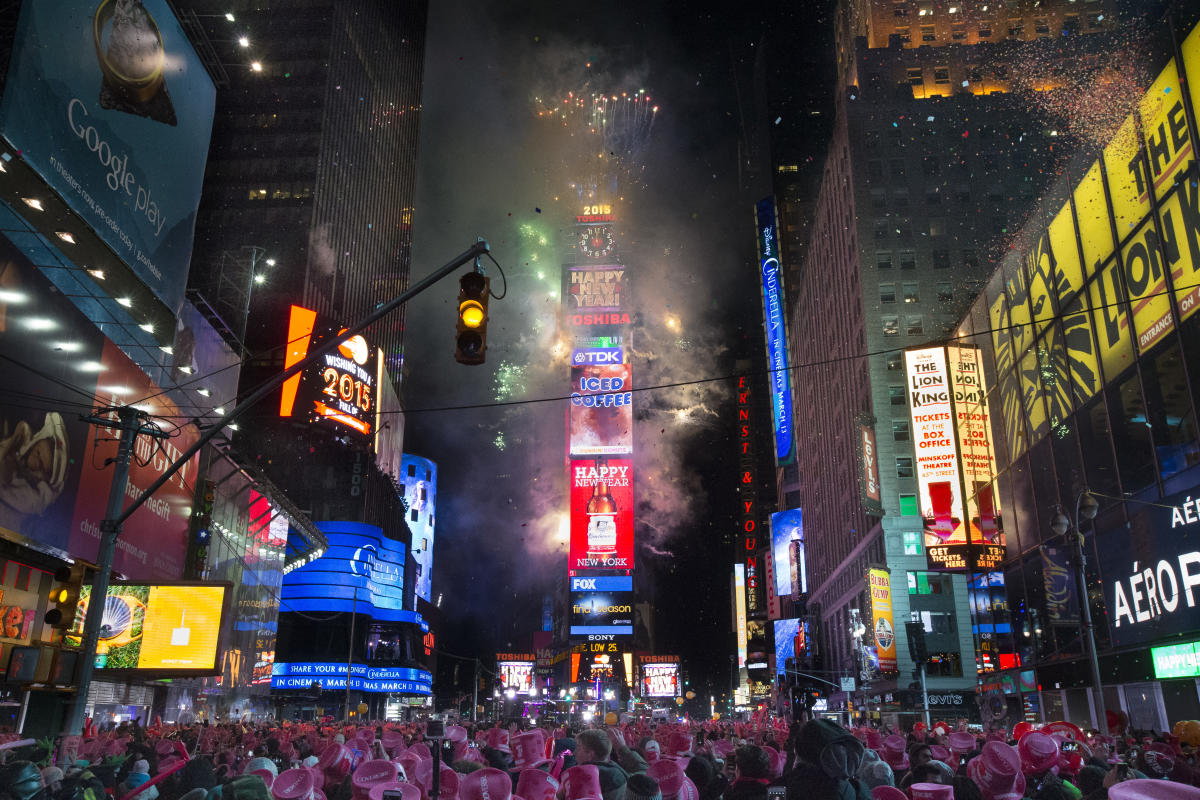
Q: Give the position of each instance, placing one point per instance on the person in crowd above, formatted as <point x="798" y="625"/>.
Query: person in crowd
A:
<point x="752" y="773"/>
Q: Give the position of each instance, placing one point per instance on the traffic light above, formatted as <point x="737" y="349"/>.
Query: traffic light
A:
<point x="916" y="642"/>
<point x="64" y="598"/>
<point x="470" y="344"/>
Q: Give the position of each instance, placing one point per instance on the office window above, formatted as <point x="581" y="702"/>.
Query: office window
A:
<point x="900" y="198"/>
<point x="908" y="259"/>
<point x="1041" y="27"/>
<point x="900" y="430"/>
<point x="941" y="74"/>
<point x="969" y="259"/>
<point x="873" y="144"/>
<point x="1015" y="29"/>
<point x="937" y="226"/>
<point x="927" y="34"/>
<point x="933" y="196"/>
<point x="895" y="362"/>
<point x="910" y="508"/>
<point x="878" y="199"/>
<point x="913" y="540"/>
<point x="903" y="229"/>
<point x="897" y="396"/>
<point x="891" y="324"/>
<point x="915" y="77"/>
<point x="941" y="259"/>
<point x="887" y="292"/>
<point x="958" y="32"/>
<point x="897" y="168"/>
<point x="883" y="260"/>
<point x="905" y="37"/>
<point x="985" y="31"/>
<point x="900" y="10"/>
<point x="962" y="193"/>
<point x="904" y="467"/>
<point x="914" y="325"/>
<point x="912" y="292"/>
<point x="945" y="291"/>
<point x="875" y="166"/>
<point x="931" y="166"/>
<point x="881" y="230"/>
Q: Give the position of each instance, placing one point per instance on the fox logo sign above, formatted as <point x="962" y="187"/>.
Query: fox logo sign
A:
<point x="611" y="583"/>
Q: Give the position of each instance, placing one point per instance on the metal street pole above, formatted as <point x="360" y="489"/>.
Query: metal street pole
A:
<point x="110" y="527"/>
<point x="924" y="697"/>
<point x="131" y="424"/>
<point x="475" y="696"/>
<point x="1060" y="525"/>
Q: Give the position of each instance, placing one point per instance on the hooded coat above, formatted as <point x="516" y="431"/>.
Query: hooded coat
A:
<point x="828" y="760"/>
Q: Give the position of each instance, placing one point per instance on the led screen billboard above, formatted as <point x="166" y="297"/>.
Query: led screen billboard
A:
<point x="660" y="676"/>
<point x="977" y="459"/>
<point x="172" y="628"/>
<point x="418" y="476"/>
<point x="777" y="360"/>
<point x="787" y="552"/>
<point x="339" y="387"/>
<point x="54" y="484"/>
<point x="595" y="288"/>
<point x="601" y="415"/>
<point x="601" y="613"/>
<point x="332" y="677"/>
<point x="516" y="675"/>
<point x="361" y="570"/>
<point x="739" y="611"/>
<point x="601" y="514"/>
<point x="110" y="104"/>
<point x="792" y="640"/>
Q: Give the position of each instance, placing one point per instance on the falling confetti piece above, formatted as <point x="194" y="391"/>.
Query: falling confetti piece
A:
<point x="778" y="120"/>
<point x="538" y="210"/>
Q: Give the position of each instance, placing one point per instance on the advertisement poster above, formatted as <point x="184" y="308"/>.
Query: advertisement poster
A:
<point x="881" y="618"/>
<point x="157" y="627"/>
<point x="601" y="514"/>
<point x="977" y="458"/>
<point x="601" y="613"/>
<point x="933" y="428"/>
<point x="660" y="676"/>
<point x="419" y="479"/>
<point x="601" y="414"/>
<point x="739" y="611"/>
<point x="55" y="481"/>
<point x="868" y="463"/>
<point x="786" y="631"/>
<point x="787" y="552"/>
<point x="256" y="607"/>
<point x="777" y="361"/>
<point x="112" y="107"/>
<point x="595" y="288"/>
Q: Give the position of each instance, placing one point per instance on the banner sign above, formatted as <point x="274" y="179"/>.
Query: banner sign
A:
<point x="114" y="110"/>
<point x="660" y="679"/>
<point x="1176" y="660"/>
<point x="868" y="467"/>
<point x="601" y="514"/>
<point x="595" y="288"/>
<point x="339" y="387"/>
<point x="787" y="551"/>
<point x="881" y="615"/>
<point x="773" y="311"/>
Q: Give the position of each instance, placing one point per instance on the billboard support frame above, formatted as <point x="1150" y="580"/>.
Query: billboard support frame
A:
<point x="131" y="425"/>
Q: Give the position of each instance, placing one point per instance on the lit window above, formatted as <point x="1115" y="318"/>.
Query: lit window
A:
<point x="909" y="507"/>
<point x="891" y="325"/>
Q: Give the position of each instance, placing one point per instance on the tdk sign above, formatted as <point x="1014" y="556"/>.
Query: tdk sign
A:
<point x="612" y="583"/>
<point x="603" y="355"/>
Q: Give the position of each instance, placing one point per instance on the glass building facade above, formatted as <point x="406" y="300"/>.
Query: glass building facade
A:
<point x="1090" y="343"/>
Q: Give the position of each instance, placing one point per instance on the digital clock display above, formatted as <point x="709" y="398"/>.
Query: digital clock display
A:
<point x="338" y="387"/>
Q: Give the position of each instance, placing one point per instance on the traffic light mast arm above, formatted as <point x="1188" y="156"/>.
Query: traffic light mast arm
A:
<point x="244" y="405"/>
<point x="814" y="677"/>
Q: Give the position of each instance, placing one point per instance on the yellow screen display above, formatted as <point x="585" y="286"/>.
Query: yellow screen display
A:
<point x="183" y="626"/>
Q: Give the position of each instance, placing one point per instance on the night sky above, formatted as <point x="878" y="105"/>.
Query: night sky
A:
<point x="487" y="166"/>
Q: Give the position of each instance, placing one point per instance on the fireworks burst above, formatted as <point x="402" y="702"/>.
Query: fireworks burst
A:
<point x="510" y="381"/>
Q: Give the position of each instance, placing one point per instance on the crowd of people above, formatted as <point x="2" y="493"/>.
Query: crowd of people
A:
<point x="630" y="760"/>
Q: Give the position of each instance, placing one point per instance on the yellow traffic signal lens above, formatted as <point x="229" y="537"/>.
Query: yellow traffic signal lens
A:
<point x="62" y="595"/>
<point x="471" y="313"/>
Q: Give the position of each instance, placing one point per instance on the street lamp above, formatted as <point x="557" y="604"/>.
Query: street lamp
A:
<point x="1086" y="507"/>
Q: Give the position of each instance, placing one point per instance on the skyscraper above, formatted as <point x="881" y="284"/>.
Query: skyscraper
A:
<point x="935" y="157"/>
<point x="309" y="190"/>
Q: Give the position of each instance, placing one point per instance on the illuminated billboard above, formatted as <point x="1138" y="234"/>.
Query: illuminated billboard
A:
<point x="883" y="626"/>
<point x="419" y="479"/>
<point x="739" y="611"/>
<point x="595" y="612"/>
<point x="114" y="110"/>
<point x="793" y="639"/>
<point x="977" y="458"/>
<point x="515" y="671"/>
<point x="332" y="677"/>
<point x="52" y="493"/>
<point x="660" y="676"/>
<point x="339" y="387"/>
<point x="171" y="628"/>
<point x="773" y="313"/>
<point x="869" y="491"/>
<point x="601" y="412"/>
<point x="1069" y="311"/>
<point x="595" y="288"/>
<point x="601" y="514"/>
<point x="787" y="553"/>
<point x="938" y="478"/>
<point x="361" y="570"/>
